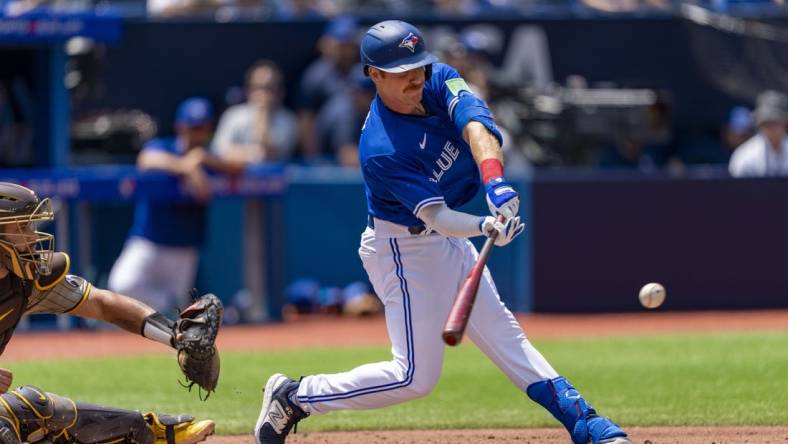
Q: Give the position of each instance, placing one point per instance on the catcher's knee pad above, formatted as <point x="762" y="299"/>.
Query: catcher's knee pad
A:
<point x="9" y="433"/>
<point x="36" y="413"/>
<point x="561" y="399"/>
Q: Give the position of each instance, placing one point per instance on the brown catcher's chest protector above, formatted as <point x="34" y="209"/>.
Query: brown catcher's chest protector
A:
<point x="14" y="293"/>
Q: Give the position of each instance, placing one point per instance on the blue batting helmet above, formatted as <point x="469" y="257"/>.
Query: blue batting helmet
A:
<point x="394" y="46"/>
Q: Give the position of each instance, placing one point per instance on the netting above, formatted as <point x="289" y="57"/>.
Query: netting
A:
<point x="740" y="56"/>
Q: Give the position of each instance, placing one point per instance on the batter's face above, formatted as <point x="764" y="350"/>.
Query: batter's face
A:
<point x="401" y="92"/>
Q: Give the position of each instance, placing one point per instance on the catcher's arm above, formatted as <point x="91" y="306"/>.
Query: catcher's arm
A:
<point x="193" y="335"/>
<point x="104" y="305"/>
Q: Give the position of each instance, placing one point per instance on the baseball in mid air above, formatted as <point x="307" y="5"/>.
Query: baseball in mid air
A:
<point x="652" y="295"/>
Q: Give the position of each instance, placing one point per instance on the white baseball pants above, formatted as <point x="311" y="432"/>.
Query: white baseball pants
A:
<point x="160" y="276"/>
<point x="417" y="278"/>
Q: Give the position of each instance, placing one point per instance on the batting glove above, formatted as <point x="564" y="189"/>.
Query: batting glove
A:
<point x="507" y="230"/>
<point x="501" y="198"/>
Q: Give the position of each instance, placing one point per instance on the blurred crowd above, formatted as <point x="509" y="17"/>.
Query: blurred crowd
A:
<point x="595" y="125"/>
<point x="546" y="122"/>
<point x="321" y="9"/>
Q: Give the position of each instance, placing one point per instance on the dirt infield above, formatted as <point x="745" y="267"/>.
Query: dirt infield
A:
<point x="638" y="435"/>
<point x="348" y="332"/>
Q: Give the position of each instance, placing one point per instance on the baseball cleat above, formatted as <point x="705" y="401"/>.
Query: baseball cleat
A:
<point x="179" y="429"/>
<point x="616" y="441"/>
<point x="602" y="430"/>
<point x="278" y="414"/>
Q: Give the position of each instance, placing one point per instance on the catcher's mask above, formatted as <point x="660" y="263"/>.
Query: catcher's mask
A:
<point x="24" y="250"/>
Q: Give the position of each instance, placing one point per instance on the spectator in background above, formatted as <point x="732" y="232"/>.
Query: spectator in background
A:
<point x="766" y="153"/>
<point x="724" y="5"/>
<point x="260" y="129"/>
<point x="455" y="8"/>
<point x="703" y="147"/>
<point x="627" y="5"/>
<point x="468" y="54"/>
<point x="739" y="128"/>
<point x="159" y="260"/>
<point x="303" y="9"/>
<point x="340" y="120"/>
<point x="333" y="73"/>
<point x="627" y="151"/>
<point x="220" y="10"/>
<point x="14" y="8"/>
<point x="183" y="8"/>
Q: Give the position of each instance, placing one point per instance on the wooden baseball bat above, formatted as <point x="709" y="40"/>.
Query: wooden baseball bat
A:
<point x="466" y="296"/>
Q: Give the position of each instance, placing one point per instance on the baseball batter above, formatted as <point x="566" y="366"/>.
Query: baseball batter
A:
<point x="35" y="279"/>
<point x="425" y="142"/>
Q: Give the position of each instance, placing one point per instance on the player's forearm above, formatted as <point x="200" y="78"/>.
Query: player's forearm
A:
<point x="484" y="145"/>
<point x="157" y="161"/>
<point x="125" y="312"/>
<point x="225" y="165"/>
<point x="449" y="222"/>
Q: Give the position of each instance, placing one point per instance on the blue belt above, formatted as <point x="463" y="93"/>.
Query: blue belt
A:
<point x="414" y="229"/>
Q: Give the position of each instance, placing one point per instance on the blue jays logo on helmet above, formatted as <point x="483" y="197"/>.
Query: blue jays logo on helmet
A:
<point x="394" y="46"/>
<point x="409" y="42"/>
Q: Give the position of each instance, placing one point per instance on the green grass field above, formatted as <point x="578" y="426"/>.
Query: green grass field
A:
<point x="699" y="379"/>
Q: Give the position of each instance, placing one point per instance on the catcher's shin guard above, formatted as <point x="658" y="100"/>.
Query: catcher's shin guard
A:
<point x="38" y="415"/>
<point x="98" y="424"/>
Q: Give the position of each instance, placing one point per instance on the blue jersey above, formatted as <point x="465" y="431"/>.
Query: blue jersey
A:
<point x="178" y="224"/>
<point x="410" y="162"/>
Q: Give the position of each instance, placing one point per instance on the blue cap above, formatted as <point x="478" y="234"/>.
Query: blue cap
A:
<point x="476" y="41"/>
<point x="394" y="46"/>
<point x="740" y="119"/>
<point x="194" y="111"/>
<point x="343" y="29"/>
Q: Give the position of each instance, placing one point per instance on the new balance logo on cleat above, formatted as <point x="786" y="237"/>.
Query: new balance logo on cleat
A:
<point x="277" y="416"/>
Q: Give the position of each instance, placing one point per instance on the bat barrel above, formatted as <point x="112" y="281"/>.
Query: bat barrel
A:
<point x="454" y="328"/>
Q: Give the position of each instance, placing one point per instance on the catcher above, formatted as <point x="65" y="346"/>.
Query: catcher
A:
<point x="35" y="279"/>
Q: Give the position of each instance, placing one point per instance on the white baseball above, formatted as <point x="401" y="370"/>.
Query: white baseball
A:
<point x="652" y="295"/>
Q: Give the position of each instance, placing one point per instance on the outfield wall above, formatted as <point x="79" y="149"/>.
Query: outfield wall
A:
<point x="592" y="240"/>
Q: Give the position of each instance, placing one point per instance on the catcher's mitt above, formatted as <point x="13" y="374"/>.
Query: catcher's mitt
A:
<point x="195" y="337"/>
